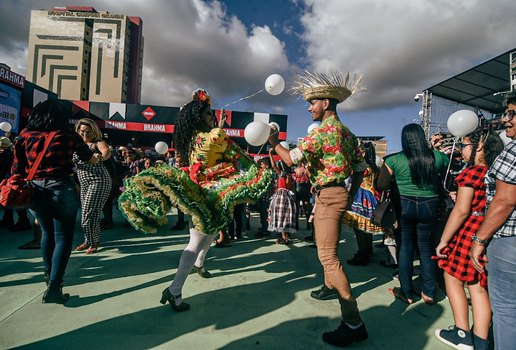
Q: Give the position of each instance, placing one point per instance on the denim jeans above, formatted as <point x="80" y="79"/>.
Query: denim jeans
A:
<point x="501" y="268"/>
<point x="418" y="225"/>
<point x="54" y="205"/>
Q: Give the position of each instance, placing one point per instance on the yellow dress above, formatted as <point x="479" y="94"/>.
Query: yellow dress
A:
<point x="220" y="176"/>
<point x="363" y="206"/>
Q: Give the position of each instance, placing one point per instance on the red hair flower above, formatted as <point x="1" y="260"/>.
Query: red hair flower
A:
<point x="201" y="95"/>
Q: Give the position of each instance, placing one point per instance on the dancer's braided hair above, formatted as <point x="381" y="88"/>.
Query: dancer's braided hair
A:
<point x="370" y="156"/>
<point x="475" y="138"/>
<point x="493" y="146"/>
<point x="188" y="123"/>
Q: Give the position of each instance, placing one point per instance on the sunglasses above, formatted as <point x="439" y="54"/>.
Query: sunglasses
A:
<point x="461" y="146"/>
<point x="509" y="114"/>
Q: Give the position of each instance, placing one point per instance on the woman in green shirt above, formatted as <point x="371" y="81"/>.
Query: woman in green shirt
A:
<point x="416" y="170"/>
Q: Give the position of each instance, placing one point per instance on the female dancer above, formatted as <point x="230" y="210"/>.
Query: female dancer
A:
<point x="479" y="150"/>
<point x="218" y="176"/>
<point x="359" y="217"/>
<point x="282" y="209"/>
<point x="95" y="183"/>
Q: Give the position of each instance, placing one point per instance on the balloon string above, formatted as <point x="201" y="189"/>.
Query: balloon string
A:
<point x="244" y="98"/>
<point x="260" y="150"/>
<point x="449" y="164"/>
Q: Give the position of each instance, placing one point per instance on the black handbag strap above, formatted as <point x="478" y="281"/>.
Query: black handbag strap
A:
<point x="35" y="166"/>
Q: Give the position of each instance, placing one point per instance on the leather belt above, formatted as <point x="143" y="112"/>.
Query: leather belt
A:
<point x="330" y="184"/>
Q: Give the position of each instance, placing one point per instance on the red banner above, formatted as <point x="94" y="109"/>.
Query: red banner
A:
<point x="131" y="126"/>
<point x="240" y="133"/>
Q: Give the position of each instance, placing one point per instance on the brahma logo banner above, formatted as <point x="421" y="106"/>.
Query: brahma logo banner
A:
<point x="148" y="113"/>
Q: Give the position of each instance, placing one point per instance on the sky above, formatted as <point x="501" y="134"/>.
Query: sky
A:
<point x="230" y="47"/>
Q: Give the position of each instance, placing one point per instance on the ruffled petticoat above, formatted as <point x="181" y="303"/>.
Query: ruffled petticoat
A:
<point x="208" y="196"/>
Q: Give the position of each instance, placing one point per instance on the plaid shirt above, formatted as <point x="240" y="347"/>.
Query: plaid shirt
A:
<point x="57" y="161"/>
<point x="503" y="169"/>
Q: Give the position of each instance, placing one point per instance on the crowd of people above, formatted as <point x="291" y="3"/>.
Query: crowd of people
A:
<point x="457" y="219"/>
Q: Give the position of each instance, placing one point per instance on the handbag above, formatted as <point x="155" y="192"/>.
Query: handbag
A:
<point x="16" y="191"/>
<point x="384" y="214"/>
<point x="109" y="163"/>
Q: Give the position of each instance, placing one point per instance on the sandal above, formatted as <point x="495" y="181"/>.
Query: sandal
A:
<point x="398" y="293"/>
<point x="282" y="241"/>
<point x="222" y="244"/>
<point x="92" y="249"/>
<point x="427" y="299"/>
<point x="82" y="247"/>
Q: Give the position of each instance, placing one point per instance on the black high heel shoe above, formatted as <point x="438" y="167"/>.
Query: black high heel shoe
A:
<point x="201" y="271"/>
<point x="167" y="296"/>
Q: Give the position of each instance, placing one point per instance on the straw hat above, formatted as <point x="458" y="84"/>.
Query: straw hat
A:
<point x="332" y="85"/>
<point x="5" y="142"/>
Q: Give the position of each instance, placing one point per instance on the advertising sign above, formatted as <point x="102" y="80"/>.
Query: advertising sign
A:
<point x="10" y="100"/>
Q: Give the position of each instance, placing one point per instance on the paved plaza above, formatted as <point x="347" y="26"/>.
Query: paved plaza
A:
<point x="258" y="297"/>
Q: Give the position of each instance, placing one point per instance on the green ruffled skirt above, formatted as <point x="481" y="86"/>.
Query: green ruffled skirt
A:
<point x="150" y="195"/>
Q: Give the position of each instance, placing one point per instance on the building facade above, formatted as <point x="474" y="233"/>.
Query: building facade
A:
<point x="82" y="54"/>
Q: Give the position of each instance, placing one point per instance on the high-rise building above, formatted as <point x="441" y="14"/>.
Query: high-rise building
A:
<point x="83" y="54"/>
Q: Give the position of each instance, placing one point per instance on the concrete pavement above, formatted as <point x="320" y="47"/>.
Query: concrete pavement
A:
<point x="258" y="297"/>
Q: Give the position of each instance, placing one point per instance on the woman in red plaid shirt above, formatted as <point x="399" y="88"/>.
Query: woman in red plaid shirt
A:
<point x="479" y="149"/>
<point x="54" y="200"/>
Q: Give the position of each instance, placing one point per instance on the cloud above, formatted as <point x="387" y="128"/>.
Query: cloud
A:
<point x="188" y="44"/>
<point x="14" y="27"/>
<point x="403" y="47"/>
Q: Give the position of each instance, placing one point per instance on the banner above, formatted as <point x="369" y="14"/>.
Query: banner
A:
<point x="10" y="101"/>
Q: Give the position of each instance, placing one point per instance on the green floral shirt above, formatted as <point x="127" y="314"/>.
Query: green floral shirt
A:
<point x="330" y="151"/>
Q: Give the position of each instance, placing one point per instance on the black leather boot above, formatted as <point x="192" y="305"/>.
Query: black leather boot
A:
<point x="54" y="295"/>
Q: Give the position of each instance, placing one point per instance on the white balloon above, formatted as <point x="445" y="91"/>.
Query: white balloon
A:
<point x="503" y="135"/>
<point x="271" y="124"/>
<point x="161" y="147"/>
<point x="274" y="84"/>
<point x="5" y="126"/>
<point x="462" y="122"/>
<point x="256" y="133"/>
<point x="312" y="126"/>
<point x="284" y="144"/>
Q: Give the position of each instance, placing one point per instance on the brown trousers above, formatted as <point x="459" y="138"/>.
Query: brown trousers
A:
<point x="331" y="204"/>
